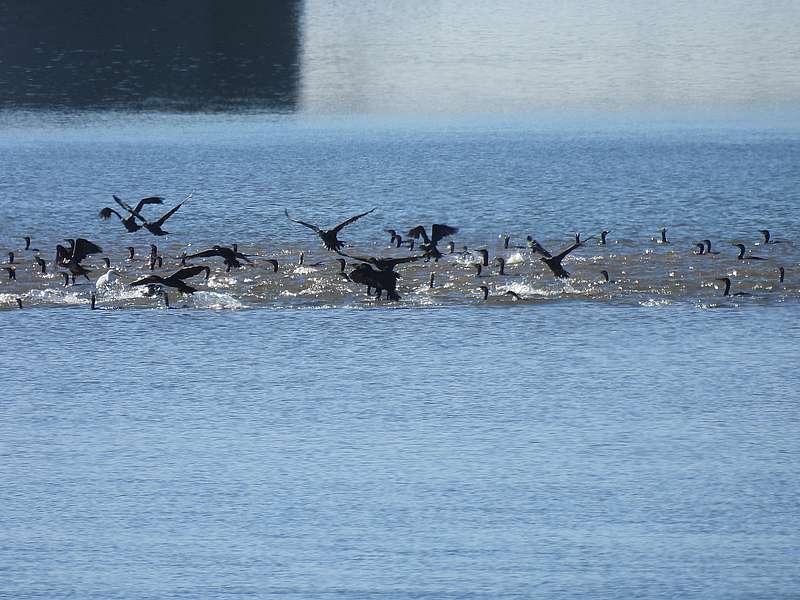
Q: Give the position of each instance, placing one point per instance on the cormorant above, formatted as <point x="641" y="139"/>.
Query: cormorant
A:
<point x="708" y="247"/>
<point x="768" y="238"/>
<point x="274" y="264"/>
<point x="42" y="264"/>
<point x="782" y="273"/>
<point x="131" y="251"/>
<point x="230" y="256"/>
<point x="701" y="247"/>
<point x="130" y="221"/>
<point x="485" y="291"/>
<point x="554" y="262"/>
<point x="603" y="235"/>
<point x="27" y="239"/>
<point x="514" y="295"/>
<point x="502" y="262"/>
<point x="11" y="258"/>
<point x="484" y="256"/>
<point x="176" y="279"/>
<point x="328" y="236"/>
<point x="663" y="239"/>
<point x="428" y="245"/>
<point x="535" y="247"/>
<point x="71" y="257"/>
<point x="156" y="226"/>
<point x="727" y="282"/>
<point x="380" y="280"/>
<point x="12" y="273"/>
<point x="742" y="250"/>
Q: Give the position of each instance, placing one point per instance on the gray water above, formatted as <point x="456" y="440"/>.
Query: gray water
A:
<point x="284" y="435"/>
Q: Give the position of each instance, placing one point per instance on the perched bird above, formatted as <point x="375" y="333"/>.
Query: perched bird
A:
<point x="701" y="248"/>
<point x="12" y="273"/>
<point x="42" y="264"/>
<point x="602" y="240"/>
<point x="428" y="245"/>
<point x="663" y="239"/>
<point x="328" y="236"/>
<point x="175" y="280"/>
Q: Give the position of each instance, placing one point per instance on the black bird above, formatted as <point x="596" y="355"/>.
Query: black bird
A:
<point x="130" y="221"/>
<point x="156" y="226"/>
<point x="384" y="264"/>
<point x="11" y="258"/>
<point x="42" y="264"/>
<point x="606" y="278"/>
<point x="485" y="291"/>
<point x="274" y="264"/>
<point x="12" y="273"/>
<point x="727" y="282"/>
<point x="708" y="247"/>
<point x="328" y="236"/>
<point x="603" y="235"/>
<point x="229" y="255"/>
<point x="393" y="233"/>
<point x="782" y="273"/>
<point x="535" y="247"/>
<point x="27" y="239"/>
<point x="502" y="262"/>
<point x="175" y="280"/>
<point x="484" y="256"/>
<point x="554" y="262"/>
<point x="506" y="240"/>
<point x="701" y="247"/>
<point x="380" y="280"/>
<point x="768" y="238"/>
<point x="71" y="257"/>
<point x="663" y="239"/>
<point x="514" y="295"/>
<point x="742" y="250"/>
<point x="131" y="251"/>
<point x="428" y="245"/>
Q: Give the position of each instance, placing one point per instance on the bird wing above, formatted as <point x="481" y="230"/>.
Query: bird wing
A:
<point x="343" y="224"/>
<point x="309" y="225"/>
<point x="418" y="231"/>
<point x="398" y="261"/>
<point x="168" y="214"/>
<point x="149" y="200"/>
<point x="561" y="255"/>
<point x="204" y="254"/>
<point x="106" y="212"/>
<point x="84" y="248"/>
<point x="438" y="231"/>
<point x="188" y="272"/>
<point x="365" y="259"/>
<point x="128" y="207"/>
<point x="148" y="279"/>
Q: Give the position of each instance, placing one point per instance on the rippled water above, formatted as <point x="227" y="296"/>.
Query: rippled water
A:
<point x="635" y="438"/>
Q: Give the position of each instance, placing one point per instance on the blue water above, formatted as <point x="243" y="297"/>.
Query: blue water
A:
<point x="282" y="434"/>
<point x="570" y="451"/>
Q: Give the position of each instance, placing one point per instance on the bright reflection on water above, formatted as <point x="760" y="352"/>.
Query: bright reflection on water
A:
<point x="577" y="450"/>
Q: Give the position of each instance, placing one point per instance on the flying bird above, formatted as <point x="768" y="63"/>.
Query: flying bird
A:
<point x="328" y="236"/>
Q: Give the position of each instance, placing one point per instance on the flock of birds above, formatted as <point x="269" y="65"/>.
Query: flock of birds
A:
<point x="378" y="274"/>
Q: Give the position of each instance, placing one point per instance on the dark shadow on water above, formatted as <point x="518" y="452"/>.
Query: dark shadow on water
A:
<point x="177" y="55"/>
